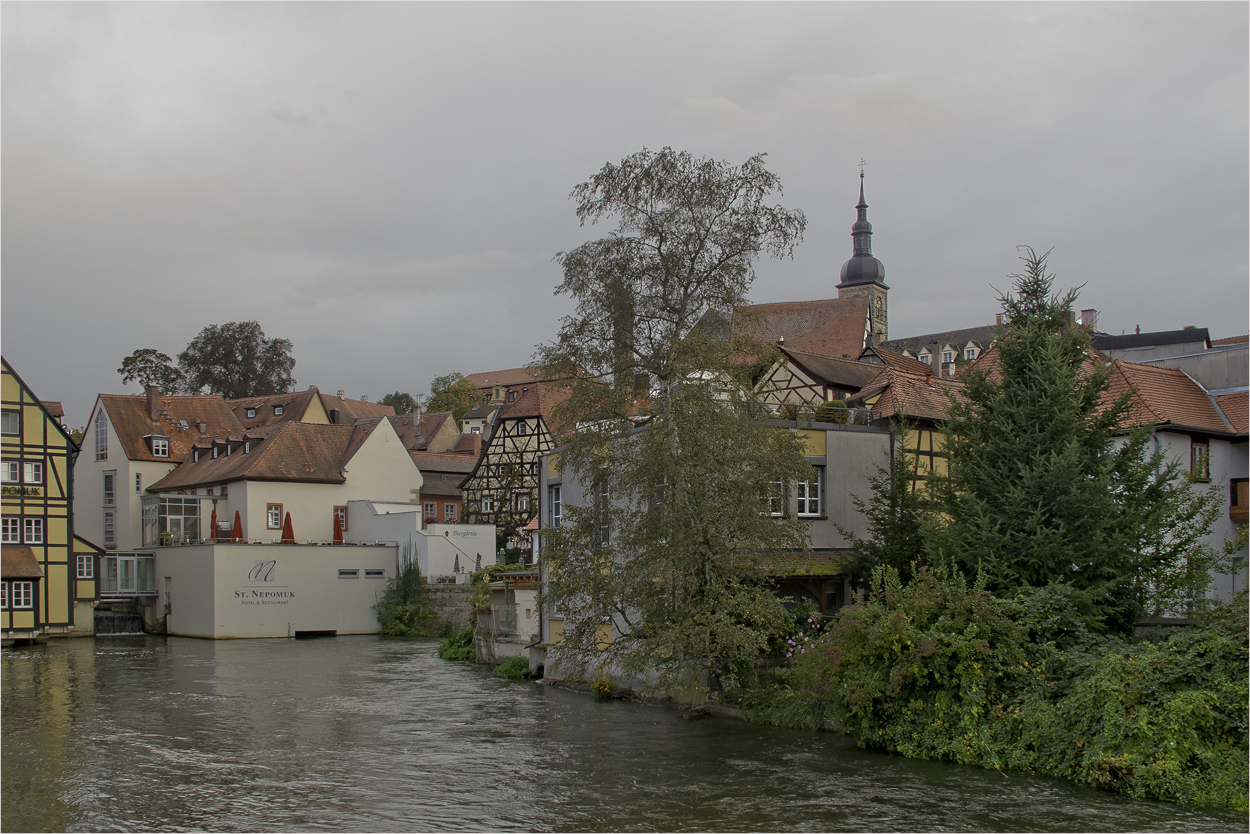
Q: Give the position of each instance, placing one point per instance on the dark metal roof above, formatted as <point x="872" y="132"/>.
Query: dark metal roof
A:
<point x="1163" y="337"/>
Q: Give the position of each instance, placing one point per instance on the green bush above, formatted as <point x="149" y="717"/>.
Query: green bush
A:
<point x="402" y="611"/>
<point x="458" y="646"/>
<point x="514" y="668"/>
<point x="942" y="671"/>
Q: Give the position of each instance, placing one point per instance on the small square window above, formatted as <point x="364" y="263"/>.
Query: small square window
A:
<point x="86" y="566"/>
<point x="970" y="354"/>
<point x="225" y="490"/>
<point x="4" y="594"/>
<point x="431" y="510"/>
<point x="488" y="503"/>
<point x="251" y="412"/>
<point x="475" y="430"/>
<point x="160" y="447"/>
<point x="32" y="472"/>
<point x="449" y="512"/>
<point x="10" y="530"/>
<point x="277" y="410"/>
<point x="9" y="471"/>
<point x="10" y="422"/>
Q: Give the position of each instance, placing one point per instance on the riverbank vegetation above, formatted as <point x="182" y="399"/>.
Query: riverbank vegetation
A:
<point x="403" y="610"/>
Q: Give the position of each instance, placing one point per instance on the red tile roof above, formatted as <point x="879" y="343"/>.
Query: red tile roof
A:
<point x="1235" y="407"/>
<point x="19" y="563"/>
<point x="1231" y="340"/>
<point x="899" y="361"/>
<point x="352" y="410"/>
<point x="131" y="422"/>
<point x="1165" y="396"/>
<point x="506" y="377"/>
<point x="54" y="408"/>
<point x="288" y="451"/>
<point x="899" y="393"/>
<point x="834" y="327"/>
<point x="849" y="373"/>
<point x="294" y="406"/>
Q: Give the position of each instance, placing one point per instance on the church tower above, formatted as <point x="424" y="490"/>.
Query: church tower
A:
<point x="863" y="275"/>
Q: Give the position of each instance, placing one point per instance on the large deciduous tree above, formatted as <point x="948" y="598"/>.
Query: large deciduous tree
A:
<point x="148" y="366"/>
<point x="656" y="570"/>
<point x="403" y="403"/>
<point x="452" y="392"/>
<point x="1047" y="485"/>
<point x="236" y="360"/>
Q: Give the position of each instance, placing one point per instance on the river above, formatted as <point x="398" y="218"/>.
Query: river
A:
<point x="372" y="734"/>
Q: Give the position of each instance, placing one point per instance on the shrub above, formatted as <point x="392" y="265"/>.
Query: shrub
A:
<point x="515" y="668"/>
<point x="458" y="646"/>
<point x="402" y="611"/>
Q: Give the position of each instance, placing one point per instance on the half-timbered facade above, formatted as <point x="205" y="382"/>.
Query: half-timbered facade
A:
<point x="502" y="489"/>
<point x="37" y="591"/>
<point x="803" y="378"/>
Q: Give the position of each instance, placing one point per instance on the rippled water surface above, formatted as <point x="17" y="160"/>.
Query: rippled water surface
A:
<point x="369" y="734"/>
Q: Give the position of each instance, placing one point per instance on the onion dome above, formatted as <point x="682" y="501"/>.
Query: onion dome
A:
<point x="862" y="268"/>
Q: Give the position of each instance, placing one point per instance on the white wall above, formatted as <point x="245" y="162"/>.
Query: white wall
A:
<point x="436" y="548"/>
<point x="243" y="590"/>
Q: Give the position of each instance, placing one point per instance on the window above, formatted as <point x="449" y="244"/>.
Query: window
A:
<point x="1200" y="460"/>
<point x="341" y="512"/>
<point x="926" y="358"/>
<point x="1239" y="499"/>
<point x="160" y="447"/>
<point x="475" y="430"/>
<point x="86" y="566"/>
<point x="970" y="354"/>
<point x="273" y="516"/>
<point x="521" y="502"/>
<point x="376" y="573"/>
<point x="109" y="479"/>
<point x="347" y="573"/>
<point x="488" y="503"/>
<point x="110" y="528"/>
<point x="12" y="423"/>
<point x="101" y="436"/>
<point x="251" y="412"/>
<point x="521" y="429"/>
<point x="431" y="510"/>
<point x="32" y="472"/>
<point x="277" y="410"/>
<point x="33" y="531"/>
<point x="809" y="493"/>
<point x="4" y="594"/>
<point x="948" y="356"/>
<point x="10" y="529"/>
<point x="138" y="482"/>
<point x="776" y="498"/>
<point x="247" y="446"/>
<point x="512" y="396"/>
<point x="216" y="449"/>
<point x="23" y="594"/>
<point x="449" y="513"/>
<point x="225" y="491"/>
<point x="10" y="471"/>
<point x="553" y="493"/>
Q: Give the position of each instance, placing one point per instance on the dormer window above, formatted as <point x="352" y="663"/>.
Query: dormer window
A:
<point x="227" y="450"/>
<point x="247" y="446"/>
<point x="970" y="353"/>
<point x="512" y="396"/>
<point x="195" y="458"/>
<point x="160" y="447"/>
<point x="251" y="412"/>
<point x="926" y="358"/>
<point x="216" y="449"/>
<point x="277" y="410"/>
<point x="948" y="356"/>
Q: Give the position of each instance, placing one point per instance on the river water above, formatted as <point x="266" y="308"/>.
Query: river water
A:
<point x="372" y="734"/>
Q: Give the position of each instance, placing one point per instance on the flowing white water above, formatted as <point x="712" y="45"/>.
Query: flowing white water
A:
<point x="371" y="734"/>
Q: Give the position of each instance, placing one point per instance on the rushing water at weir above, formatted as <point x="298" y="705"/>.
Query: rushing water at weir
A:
<point x="369" y="734"/>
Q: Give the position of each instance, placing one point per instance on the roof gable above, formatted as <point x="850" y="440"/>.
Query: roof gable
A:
<point x="834" y="327"/>
<point x="131" y="421"/>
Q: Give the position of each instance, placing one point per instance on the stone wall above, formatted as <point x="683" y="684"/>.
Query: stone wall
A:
<point x="450" y="603"/>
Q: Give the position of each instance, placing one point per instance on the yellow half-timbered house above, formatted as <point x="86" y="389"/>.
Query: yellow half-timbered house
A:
<point x="40" y="584"/>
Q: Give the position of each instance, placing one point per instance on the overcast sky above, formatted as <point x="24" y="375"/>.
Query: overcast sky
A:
<point x="385" y="184"/>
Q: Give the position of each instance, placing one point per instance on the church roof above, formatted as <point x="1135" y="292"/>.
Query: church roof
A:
<point x="833" y="327"/>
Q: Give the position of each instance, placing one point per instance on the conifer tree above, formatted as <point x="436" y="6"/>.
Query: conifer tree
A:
<point x="1046" y="484"/>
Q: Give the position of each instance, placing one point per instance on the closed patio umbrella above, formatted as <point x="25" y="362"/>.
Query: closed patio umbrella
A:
<point x="213" y="528"/>
<point x="338" y="529"/>
<point x="236" y="532"/>
<point x="288" y="533"/>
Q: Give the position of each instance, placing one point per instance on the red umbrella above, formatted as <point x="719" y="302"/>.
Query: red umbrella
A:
<point x="288" y="533"/>
<point x="236" y="533"/>
<point x="338" y="529"/>
<point x="213" y="528"/>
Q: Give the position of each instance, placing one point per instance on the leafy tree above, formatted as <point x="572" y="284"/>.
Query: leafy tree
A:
<point x="656" y="572"/>
<point x="148" y="366"/>
<point x="452" y="392"/>
<point x="1046" y="486"/>
<point x="403" y="611"/>
<point x="236" y="360"/>
<point x="402" y="403"/>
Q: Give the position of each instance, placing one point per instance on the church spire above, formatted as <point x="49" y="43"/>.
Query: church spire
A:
<point x="861" y="229"/>
<point x="863" y="275"/>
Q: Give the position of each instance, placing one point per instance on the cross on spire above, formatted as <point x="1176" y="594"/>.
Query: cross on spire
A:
<point x="861" y="167"/>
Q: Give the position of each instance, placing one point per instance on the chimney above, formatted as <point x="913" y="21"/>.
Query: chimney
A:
<point x="154" y="402"/>
<point x="1089" y="319"/>
<point x="998" y="318"/>
<point x="364" y="398"/>
<point x="202" y="428"/>
<point x="340" y="394"/>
